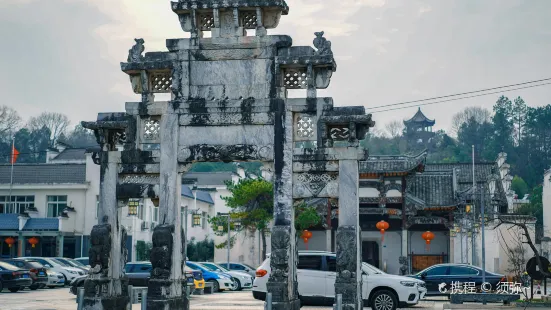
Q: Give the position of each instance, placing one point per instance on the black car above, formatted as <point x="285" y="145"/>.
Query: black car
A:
<point x="439" y="278"/>
<point x="13" y="278"/>
<point x="139" y="273"/>
<point x="37" y="271"/>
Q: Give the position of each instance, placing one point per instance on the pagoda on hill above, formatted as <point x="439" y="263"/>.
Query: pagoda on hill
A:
<point x="419" y="129"/>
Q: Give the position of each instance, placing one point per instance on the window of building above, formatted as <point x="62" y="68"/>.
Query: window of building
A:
<point x="56" y="205"/>
<point x="196" y="220"/>
<point x="18" y="204"/>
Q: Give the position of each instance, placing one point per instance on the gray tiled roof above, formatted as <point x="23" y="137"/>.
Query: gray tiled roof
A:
<point x="201" y="196"/>
<point x="9" y="222"/>
<point x="420" y="117"/>
<point x="42" y="224"/>
<point x="208" y="178"/>
<point x="44" y="174"/>
<point x="434" y="188"/>
<point x="71" y="154"/>
<point x="380" y="164"/>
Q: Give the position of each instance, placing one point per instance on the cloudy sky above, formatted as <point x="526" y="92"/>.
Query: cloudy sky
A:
<point x="63" y="55"/>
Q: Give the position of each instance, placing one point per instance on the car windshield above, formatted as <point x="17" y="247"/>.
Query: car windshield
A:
<point x="77" y="263"/>
<point x="35" y="265"/>
<point x="215" y="267"/>
<point x="248" y="266"/>
<point x="372" y="269"/>
<point x="62" y="262"/>
<point x="7" y="266"/>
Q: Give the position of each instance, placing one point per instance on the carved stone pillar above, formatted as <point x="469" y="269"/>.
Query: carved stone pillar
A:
<point x="107" y="286"/>
<point x="349" y="273"/>
<point x="283" y="279"/>
<point x="166" y="287"/>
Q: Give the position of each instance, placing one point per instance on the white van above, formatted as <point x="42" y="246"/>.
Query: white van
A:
<point x="316" y="274"/>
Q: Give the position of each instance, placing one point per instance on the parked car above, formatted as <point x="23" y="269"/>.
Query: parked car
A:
<point x="84" y="260"/>
<point x="36" y="270"/>
<point x="69" y="273"/>
<point x="239" y="267"/>
<point x="77" y="282"/>
<point x="440" y="277"/>
<point x="316" y="275"/>
<point x="14" y="278"/>
<point x="241" y="279"/>
<point x="138" y="274"/>
<point x="55" y="279"/>
<point x="73" y="263"/>
<point x="220" y="281"/>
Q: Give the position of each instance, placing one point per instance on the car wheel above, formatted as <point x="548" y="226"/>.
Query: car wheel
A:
<point x="384" y="300"/>
<point x="65" y="282"/>
<point x="14" y="289"/>
<point x="34" y="287"/>
<point x="239" y="287"/>
<point x="234" y="285"/>
<point x="215" y="286"/>
<point x="1" y="286"/>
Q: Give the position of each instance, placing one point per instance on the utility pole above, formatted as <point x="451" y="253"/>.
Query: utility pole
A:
<point x="483" y="243"/>
<point x="473" y="239"/>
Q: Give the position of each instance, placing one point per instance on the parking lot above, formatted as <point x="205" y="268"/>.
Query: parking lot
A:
<point x="61" y="299"/>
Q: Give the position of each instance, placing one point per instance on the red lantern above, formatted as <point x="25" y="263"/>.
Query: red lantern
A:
<point x="305" y="236"/>
<point x="10" y="241"/>
<point x="427" y="236"/>
<point x="33" y="241"/>
<point x="382" y="226"/>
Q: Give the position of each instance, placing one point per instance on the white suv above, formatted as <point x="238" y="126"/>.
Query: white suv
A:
<point x="316" y="274"/>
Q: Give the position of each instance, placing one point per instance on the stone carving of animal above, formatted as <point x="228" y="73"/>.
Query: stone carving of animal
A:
<point x="135" y="53"/>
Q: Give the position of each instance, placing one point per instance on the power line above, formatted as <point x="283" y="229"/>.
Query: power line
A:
<point x="455" y="99"/>
<point x="461" y="94"/>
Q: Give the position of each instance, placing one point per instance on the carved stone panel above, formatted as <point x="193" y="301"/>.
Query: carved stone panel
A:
<point x="305" y="127"/>
<point x="427" y="220"/>
<point x="315" y="185"/>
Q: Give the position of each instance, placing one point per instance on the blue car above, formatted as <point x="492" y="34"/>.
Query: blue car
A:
<point x="220" y="281"/>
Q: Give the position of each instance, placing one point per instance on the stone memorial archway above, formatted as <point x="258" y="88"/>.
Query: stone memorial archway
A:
<point x="228" y="103"/>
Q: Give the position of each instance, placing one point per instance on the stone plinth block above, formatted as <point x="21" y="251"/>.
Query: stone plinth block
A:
<point x="104" y="293"/>
<point x="483" y="298"/>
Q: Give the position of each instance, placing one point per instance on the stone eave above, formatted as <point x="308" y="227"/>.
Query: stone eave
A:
<point x="393" y="164"/>
<point x="184" y="7"/>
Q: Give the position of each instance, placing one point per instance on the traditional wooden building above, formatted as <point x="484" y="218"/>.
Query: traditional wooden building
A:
<point x="414" y="197"/>
<point x="418" y="130"/>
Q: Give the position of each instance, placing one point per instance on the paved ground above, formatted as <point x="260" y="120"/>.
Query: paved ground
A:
<point x="61" y="299"/>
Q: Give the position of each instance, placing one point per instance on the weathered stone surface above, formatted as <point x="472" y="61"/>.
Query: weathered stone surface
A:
<point x="225" y="135"/>
<point x="315" y="185"/>
<point x="226" y="153"/>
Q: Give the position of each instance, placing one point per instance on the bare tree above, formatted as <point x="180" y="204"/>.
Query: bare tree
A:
<point x="522" y="222"/>
<point x="395" y="128"/>
<point x="480" y="115"/>
<point x="9" y="120"/>
<point x="515" y="251"/>
<point x="56" y="122"/>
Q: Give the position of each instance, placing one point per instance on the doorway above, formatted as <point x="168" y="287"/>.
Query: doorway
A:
<point x="370" y="253"/>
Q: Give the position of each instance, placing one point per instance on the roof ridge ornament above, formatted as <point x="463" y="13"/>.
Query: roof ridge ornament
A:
<point x="322" y="44"/>
<point x="135" y="53"/>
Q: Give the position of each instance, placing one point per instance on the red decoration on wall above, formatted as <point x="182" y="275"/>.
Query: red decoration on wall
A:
<point x="33" y="241"/>
<point x="305" y="236"/>
<point x="427" y="236"/>
<point x="10" y="241"/>
<point x="382" y="226"/>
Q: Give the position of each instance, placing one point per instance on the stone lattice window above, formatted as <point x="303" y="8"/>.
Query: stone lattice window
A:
<point x="151" y="129"/>
<point x="249" y="20"/>
<point x="339" y="133"/>
<point x="206" y="22"/>
<point x="161" y="82"/>
<point x="295" y="78"/>
<point x="305" y="127"/>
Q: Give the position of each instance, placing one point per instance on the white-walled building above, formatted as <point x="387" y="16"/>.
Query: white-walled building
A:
<point x="55" y="202"/>
<point x="546" y="197"/>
